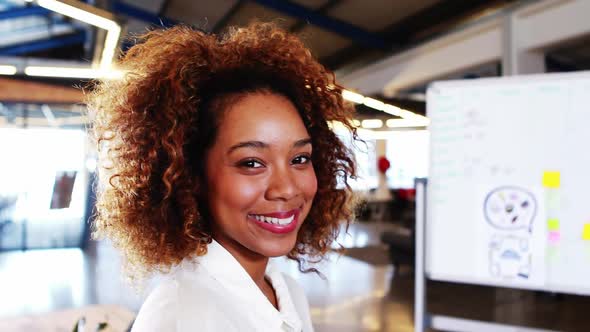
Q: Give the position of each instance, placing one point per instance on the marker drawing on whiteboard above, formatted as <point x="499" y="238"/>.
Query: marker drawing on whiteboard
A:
<point x="509" y="257"/>
<point x="511" y="211"/>
<point x="510" y="208"/>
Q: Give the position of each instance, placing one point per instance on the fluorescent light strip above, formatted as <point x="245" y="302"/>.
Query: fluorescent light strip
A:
<point x="353" y="96"/>
<point x="110" y="47"/>
<point x="79" y="14"/>
<point x="113" y="29"/>
<point x="374" y="103"/>
<point x="393" y="110"/>
<point x="381" y="106"/>
<point x="372" y="123"/>
<point x="7" y="70"/>
<point x="73" y="72"/>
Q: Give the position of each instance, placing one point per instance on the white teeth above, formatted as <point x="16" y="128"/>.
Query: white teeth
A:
<point x="285" y="221"/>
<point x="275" y="221"/>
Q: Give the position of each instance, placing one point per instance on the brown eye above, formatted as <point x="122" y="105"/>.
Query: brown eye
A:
<point x="303" y="159"/>
<point x="251" y="163"/>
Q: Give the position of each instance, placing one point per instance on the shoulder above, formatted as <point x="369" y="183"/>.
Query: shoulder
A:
<point x="158" y="312"/>
<point x="179" y="304"/>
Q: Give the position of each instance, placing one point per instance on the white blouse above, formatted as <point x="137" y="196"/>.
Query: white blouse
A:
<point x="217" y="294"/>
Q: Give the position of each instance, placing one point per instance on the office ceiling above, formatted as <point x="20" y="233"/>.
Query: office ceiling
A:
<point x="339" y="32"/>
<point x="342" y="34"/>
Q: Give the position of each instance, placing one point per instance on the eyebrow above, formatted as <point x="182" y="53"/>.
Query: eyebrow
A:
<point x="302" y="142"/>
<point x="261" y="145"/>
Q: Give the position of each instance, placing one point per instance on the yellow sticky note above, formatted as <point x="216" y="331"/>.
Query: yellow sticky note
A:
<point x="551" y="179"/>
<point x="586" y="233"/>
<point x="553" y="224"/>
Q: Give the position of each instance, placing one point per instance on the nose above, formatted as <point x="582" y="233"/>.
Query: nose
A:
<point x="282" y="185"/>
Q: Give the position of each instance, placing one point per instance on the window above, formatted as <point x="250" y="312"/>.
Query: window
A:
<point x="36" y="163"/>
<point x="408" y="153"/>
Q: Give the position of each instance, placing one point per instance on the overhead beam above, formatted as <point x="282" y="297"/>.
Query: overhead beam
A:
<point x="49" y="43"/>
<point x="23" y="12"/>
<point x="468" y="48"/>
<point x="540" y="30"/>
<point x="475" y="45"/>
<point x="415" y="28"/>
<point x="461" y="51"/>
<point x="529" y="37"/>
<point x="19" y="91"/>
<point x="437" y="19"/>
<point x="339" y="27"/>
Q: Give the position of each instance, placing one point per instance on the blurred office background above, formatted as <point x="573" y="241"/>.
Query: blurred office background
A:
<point x="384" y="52"/>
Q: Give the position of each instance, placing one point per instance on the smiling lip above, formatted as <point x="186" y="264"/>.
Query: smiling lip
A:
<point x="274" y="228"/>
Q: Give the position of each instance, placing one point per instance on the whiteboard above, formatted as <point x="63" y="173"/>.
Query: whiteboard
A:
<point x="508" y="198"/>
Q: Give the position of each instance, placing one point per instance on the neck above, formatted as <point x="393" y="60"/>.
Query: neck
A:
<point x="254" y="263"/>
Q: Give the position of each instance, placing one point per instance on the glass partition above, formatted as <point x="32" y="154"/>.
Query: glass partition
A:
<point x="44" y="187"/>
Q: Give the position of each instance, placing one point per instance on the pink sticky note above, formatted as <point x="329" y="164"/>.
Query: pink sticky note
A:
<point x="554" y="236"/>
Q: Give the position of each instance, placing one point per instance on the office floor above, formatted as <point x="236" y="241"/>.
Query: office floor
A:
<point x="355" y="296"/>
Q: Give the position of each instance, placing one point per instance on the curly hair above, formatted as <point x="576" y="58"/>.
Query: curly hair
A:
<point x="154" y="126"/>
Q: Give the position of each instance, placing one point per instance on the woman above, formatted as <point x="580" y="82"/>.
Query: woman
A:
<point x="219" y="156"/>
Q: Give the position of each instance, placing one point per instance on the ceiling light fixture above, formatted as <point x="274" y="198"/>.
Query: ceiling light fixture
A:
<point x="387" y="108"/>
<point x="393" y="110"/>
<point x="374" y="103"/>
<point x="95" y="17"/>
<point x="372" y="123"/>
<point x="7" y="70"/>
<point x="353" y="96"/>
<point x="73" y="72"/>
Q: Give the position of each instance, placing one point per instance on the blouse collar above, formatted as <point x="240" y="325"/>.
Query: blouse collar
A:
<point x="224" y="268"/>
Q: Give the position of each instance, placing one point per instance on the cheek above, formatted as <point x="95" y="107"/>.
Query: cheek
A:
<point x="309" y="184"/>
<point x="241" y="192"/>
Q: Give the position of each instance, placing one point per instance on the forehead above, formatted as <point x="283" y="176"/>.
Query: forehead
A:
<point x="263" y="117"/>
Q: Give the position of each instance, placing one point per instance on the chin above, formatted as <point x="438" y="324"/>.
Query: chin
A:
<point x="276" y="248"/>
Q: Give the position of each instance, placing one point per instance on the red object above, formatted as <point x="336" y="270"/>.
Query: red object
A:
<point x="406" y="194"/>
<point x="383" y="164"/>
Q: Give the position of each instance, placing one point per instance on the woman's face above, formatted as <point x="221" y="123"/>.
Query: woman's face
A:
<point x="260" y="179"/>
